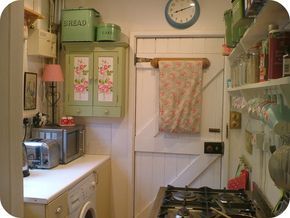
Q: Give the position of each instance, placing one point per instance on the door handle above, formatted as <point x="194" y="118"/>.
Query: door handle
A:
<point x="215" y="130"/>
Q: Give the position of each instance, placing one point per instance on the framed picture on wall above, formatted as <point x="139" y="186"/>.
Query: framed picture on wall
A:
<point x="30" y="90"/>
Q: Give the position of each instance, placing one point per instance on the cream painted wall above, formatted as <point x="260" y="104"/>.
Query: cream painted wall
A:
<point x="148" y="15"/>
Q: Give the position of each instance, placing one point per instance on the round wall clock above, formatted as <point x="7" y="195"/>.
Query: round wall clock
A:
<point x="182" y="14"/>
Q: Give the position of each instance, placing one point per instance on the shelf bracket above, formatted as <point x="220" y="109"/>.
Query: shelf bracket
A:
<point x="31" y="16"/>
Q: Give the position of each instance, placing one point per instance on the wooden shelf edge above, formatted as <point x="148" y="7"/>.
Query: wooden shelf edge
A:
<point x="32" y="13"/>
<point x="30" y="16"/>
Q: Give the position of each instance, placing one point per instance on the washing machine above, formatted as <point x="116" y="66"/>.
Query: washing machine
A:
<point x="82" y="199"/>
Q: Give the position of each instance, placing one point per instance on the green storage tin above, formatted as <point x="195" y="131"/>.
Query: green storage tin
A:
<point x="239" y="18"/>
<point x="229" y="30"/>
<point x="238" y="32"/>
<point x="235" y="34"/>
<point x="108" y="32"/>
<point x="78" y="24"/>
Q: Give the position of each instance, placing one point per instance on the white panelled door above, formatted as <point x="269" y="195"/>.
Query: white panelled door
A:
<point x="162" y="159"/>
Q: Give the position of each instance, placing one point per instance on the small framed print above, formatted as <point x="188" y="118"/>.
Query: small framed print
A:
<point x="30" y="90"/>
<point x="235" y="120"/>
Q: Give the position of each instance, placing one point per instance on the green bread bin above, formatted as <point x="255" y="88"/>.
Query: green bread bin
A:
<point x="78" y="24"/>
<point x="108" y="32"/>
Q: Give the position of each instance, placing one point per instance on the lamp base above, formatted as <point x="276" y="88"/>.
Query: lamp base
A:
<point x="51" y="125"/>
<point x="52" y="98"/>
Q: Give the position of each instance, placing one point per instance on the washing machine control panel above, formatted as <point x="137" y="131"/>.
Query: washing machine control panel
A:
<point x="81" y="193"/>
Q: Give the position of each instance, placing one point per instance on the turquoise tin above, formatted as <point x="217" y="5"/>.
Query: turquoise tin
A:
<point x="108" y="32"/>
<point x="78" y="24"/>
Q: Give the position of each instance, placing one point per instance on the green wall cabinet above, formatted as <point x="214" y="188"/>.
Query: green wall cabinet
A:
<point x="95" y="79"/>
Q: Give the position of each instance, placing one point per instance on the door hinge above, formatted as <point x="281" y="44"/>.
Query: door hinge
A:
<point x="227" y="131"/>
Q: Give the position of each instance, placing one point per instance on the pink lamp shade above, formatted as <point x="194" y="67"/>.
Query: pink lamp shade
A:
<point x="52" y="73"/>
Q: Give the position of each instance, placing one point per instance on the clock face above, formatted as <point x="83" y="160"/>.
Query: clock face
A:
<point x="182" y="13"/>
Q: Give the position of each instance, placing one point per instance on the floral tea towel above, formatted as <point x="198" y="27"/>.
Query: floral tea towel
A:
<point x="180" y="85"/>
<point x="81" y="78"/>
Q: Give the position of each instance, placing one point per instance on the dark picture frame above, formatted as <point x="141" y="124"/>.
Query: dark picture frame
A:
<point x="30" y="90"/>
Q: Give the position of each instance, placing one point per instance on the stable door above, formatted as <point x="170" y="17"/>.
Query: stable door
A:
<point x="163" y="159"/>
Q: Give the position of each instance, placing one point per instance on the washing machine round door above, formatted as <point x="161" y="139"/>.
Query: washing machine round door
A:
<point x="88" y="211"/>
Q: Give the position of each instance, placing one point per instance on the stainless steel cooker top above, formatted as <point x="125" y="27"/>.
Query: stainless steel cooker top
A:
<point x="204" y="202"/>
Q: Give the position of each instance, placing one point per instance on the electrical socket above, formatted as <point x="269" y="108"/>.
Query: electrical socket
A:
<point x="213" y="147"/>
<point x="26" y="121"/>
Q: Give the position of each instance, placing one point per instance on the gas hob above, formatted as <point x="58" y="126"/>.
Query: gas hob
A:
<point x="204" y="202"/>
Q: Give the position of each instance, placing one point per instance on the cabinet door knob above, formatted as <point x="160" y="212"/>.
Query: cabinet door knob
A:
<point x="106" y="111"/>
<point x="58" y="210"/>
<point x="78" y="111"/>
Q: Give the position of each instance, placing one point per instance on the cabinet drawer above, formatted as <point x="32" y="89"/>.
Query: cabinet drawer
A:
<point x="107" y="111"/>
<point x="79" y="110"/>
<point x="58" y="207"/>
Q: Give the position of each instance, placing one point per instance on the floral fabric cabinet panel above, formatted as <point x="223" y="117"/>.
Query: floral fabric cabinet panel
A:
<point x="95" y="76"/>
<point x="81" y="78"/>
<point x="105" y="75"/>
<point x="79" y="84"/>
<point x="109" y="84"/>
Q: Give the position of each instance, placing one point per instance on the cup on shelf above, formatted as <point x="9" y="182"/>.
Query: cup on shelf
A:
<point x="67" y="121"/>
<point x="253" y="107"/>
<point x="277" y="117"/>
<point x="71" y="121"/>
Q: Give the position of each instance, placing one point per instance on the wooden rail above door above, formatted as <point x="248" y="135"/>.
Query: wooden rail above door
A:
<point x="155" y="61"/>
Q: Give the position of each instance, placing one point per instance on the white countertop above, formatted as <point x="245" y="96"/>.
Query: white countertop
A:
<point x="42" y="186"/>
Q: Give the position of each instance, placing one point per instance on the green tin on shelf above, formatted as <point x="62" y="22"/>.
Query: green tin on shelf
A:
<point x="239" y="18"/>
<point x="78" y="24"/>
<point x="240" y="22"/>
<point x="108" y="32"/>
<point x="228" y="17"/>
<point x="238" y="32"/>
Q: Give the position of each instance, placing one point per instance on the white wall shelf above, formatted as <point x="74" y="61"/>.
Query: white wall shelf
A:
<point x="271" y="13"/>
<point x="275" y="86"/>
<point x="259" y="28"/>
<point x="264" y="85"/>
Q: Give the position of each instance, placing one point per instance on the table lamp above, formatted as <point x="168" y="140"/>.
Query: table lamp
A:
<point x="52" y="73"/>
